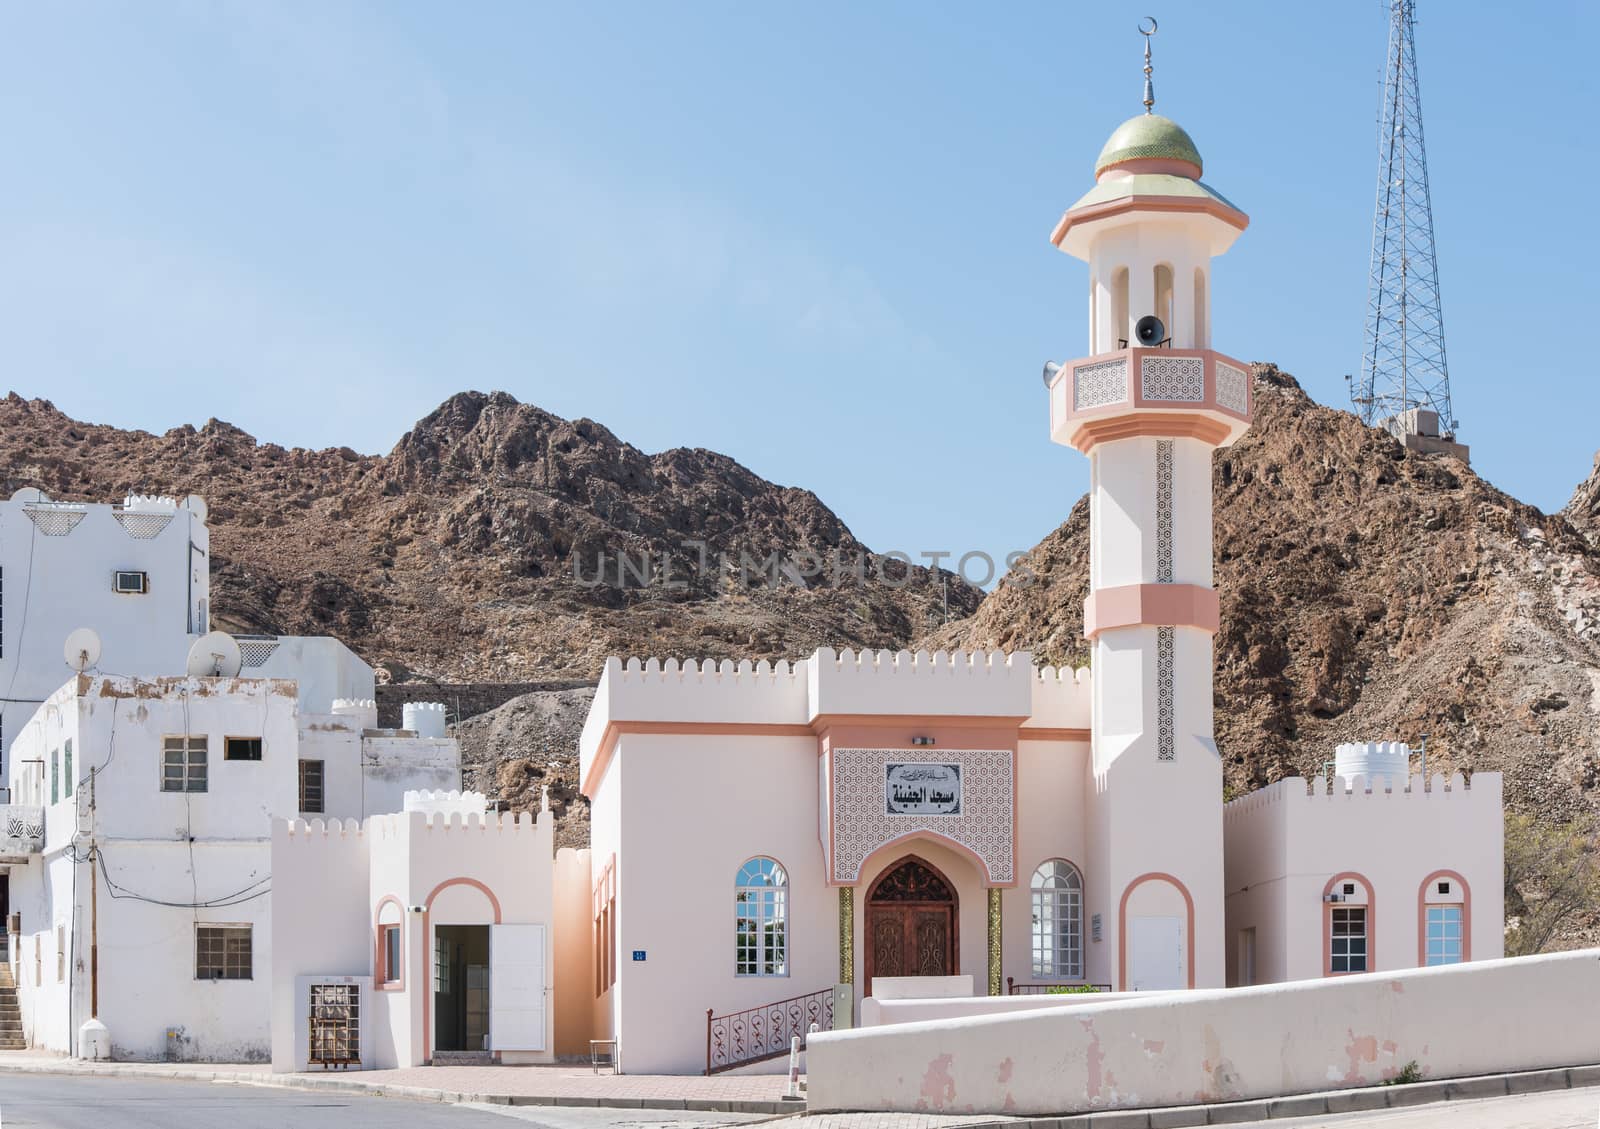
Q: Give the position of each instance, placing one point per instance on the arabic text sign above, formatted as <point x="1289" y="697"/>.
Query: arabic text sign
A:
<point x="922" y="788"/>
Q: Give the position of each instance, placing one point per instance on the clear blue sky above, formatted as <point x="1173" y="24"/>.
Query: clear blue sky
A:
<point x="810" y="236"/>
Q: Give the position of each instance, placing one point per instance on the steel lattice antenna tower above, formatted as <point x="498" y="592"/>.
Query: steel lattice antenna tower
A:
<point x="1403" y="362"/>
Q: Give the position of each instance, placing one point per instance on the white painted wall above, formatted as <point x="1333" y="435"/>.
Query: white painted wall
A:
<point x="346" y="879"/>
<point x="1286" y="841"/>
<point x="677" y="865"/>
<point x="1224" y="1044"/>
<point x="51" y="585"/>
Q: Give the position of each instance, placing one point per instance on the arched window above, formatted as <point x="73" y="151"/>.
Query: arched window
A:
<point x="761" y="919"/>
<point x="1165" y="310"/>
<point x="1057" y="921"/>
<point x="1120" y="329"/>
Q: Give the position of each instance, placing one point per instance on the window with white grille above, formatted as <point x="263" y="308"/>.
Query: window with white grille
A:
<point x="183" y="764"/>
<point x="1348" y="944"/>
<point x="1444" y="934"/>
<point x="761" y="919"/>
<point x="222" y="952"/>
<point x="1057" y="921"/>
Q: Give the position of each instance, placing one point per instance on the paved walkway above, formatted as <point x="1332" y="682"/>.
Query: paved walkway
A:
<point x="501" y="1085"/>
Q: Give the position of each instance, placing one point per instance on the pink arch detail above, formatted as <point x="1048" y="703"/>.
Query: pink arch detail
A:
<point x="1327" y="923"/>
<point x="378" y="982"/>
<point x="1122" y="923"/>
<point x="1422" y="915"/>
<point x="427" y="950"/>
<point x="874" y="860"/>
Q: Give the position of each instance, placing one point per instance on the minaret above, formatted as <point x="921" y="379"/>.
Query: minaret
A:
<point x="1148" y="407"/>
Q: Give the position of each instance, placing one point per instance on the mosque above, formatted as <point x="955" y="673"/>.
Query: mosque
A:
<point x="773" y="845"/>
<point x="853" y="826"/>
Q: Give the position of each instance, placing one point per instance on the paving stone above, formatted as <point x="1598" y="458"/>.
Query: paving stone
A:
<point x="1300" y="1105"/>
<point x="1120" y="1119"/>
<point x="1583" y="1076"/>
<point x="1532" y="1081"/>
<point x="1487" y="1086"/>
<point x="1346" y="1101"/>
<point x="1178" y="1116"/>
<point x="1228" y="1112"/>
<point x="1418" y="1093"/>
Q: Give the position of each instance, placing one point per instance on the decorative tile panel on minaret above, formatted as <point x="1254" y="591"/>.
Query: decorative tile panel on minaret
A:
<point x="1148" y="407"/>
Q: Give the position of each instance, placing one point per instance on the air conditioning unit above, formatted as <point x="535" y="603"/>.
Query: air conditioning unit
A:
<point x="1333" y="897"/>
<point x="129" y="583"/>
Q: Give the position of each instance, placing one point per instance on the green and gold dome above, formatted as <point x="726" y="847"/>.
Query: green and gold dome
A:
<point x="1148" y="137"/>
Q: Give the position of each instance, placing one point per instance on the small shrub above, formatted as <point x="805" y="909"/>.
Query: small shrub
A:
<point x="1071" y="990"/>
<point x="1409" y="1073"/>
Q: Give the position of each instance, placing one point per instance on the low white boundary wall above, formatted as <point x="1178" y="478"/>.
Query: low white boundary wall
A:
<point x="879" y="1012"/>
<point x="1181" y="1048"/>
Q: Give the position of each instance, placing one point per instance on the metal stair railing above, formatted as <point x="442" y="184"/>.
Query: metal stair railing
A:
<point x="764" y="1032"/>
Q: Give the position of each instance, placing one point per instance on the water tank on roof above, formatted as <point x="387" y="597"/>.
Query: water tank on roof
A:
<point x="1383" y="763"/>
<point x="425" y="719"/>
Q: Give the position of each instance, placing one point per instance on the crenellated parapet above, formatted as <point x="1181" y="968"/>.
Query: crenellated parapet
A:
<point x="993" y="684"/>
<point x="1062" y="699"/>
<point x="1296" y="797"/>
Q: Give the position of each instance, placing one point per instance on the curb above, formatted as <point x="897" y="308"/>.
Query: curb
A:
<point x="1311" y="1105"/>
<point x="353" y="1085"/>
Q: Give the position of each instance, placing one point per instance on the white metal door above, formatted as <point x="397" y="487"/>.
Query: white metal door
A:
<point x="516" y="988"/>
<point x="1156" y="957"/>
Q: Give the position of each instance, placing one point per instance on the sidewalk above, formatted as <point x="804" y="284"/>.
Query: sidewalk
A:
<point x="492" y="1085"/>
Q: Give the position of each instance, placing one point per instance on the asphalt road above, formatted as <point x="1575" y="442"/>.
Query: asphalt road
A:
<point x="56" y="1101"/>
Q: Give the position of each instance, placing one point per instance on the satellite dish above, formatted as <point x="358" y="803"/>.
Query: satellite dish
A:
<point x="1148" y="330"/>
<point x="30" y="494"/>
<point x="1050" y="370"/>
<point x="82" y="649"/>
<point x="215" y="655"/>
<point x="196" y="505"/>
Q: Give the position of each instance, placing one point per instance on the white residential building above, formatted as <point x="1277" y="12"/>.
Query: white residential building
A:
<point x="157" y="796"/>
<point x="137" y="573"/>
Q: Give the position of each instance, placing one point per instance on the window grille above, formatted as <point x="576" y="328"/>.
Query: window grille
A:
<point x="761" y="919"/>
<point x="1057" y="921"/>
<point x="1348" y="944"/>
<point x="241" y="749"/>
<point x="441" y="968"/>
<point x="55" y="520"/>
<point x="222" y="952"/>
<point x="335" y="1025"/>
<point x="142" y="525"/>
<point x="311" y="786"/>
<point x="183" y="764"/>
<point x="66" y="779"/>
<point x="55" y="775"/>
<point x="256" y="651"/>
<point x="1444" y="935"/>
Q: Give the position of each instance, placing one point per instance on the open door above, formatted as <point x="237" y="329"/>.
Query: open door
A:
<point x="517" y="1002"/>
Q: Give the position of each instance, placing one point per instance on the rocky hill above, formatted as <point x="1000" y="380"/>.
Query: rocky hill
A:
<point x="1367" y="593"/>
<point x="496" y="542"/>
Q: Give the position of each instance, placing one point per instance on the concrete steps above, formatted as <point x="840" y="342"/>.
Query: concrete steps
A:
<point x="11" y="1038"/>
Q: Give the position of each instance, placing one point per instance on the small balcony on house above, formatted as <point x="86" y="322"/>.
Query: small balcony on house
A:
<point x="21" y="832"/>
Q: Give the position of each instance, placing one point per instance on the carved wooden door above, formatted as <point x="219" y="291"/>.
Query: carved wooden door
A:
<point x="911" y="924"/>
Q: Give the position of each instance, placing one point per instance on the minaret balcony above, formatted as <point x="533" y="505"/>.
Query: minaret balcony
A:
<point x="1172" y="393"/>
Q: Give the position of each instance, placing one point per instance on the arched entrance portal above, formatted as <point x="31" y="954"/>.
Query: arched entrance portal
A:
<point x="911" y="922"/>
